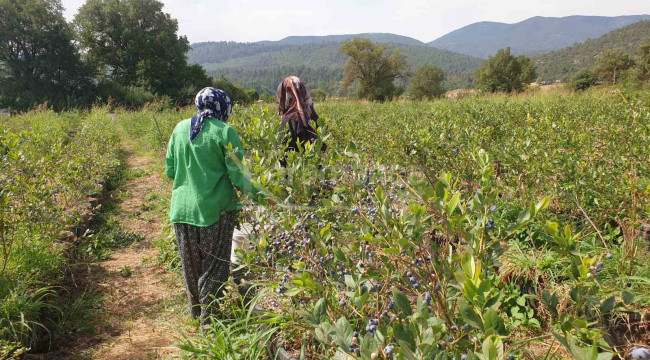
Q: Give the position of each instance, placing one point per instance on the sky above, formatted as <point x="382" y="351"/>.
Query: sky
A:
<point x="255" y="20"/>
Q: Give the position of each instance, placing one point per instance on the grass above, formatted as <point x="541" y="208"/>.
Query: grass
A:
<point x="241" y="331"/>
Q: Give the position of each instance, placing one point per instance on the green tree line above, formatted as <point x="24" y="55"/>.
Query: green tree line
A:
<point x="121" y="51"/>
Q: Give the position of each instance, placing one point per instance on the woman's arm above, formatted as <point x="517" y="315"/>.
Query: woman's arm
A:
<point x="234" y="155"/>
<point x="170" y="165"/>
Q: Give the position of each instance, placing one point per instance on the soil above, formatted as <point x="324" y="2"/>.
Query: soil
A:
<point x="140" y="304"/>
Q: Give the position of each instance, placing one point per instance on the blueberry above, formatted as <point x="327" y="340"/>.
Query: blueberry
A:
<point x="427" y="298"/>
<point x="463" y="357"/>
<point x="413" y="279"/>
<point x="493" y="208"/>
<point x="416" y="285"/>
<point x="391" y="304"/>
<point x="409" y="274"/>
<point x="355" y="334"/>
<point x="511" y="357"/>
<point x="640" y="354"/>
<point x="438" y="287"/>
<point x="388" y="350"/>
<point x="357" y="352"/>
<point x="374" y="322"/>
<point x="341" y="302"/>
<point x="609" y="256"/>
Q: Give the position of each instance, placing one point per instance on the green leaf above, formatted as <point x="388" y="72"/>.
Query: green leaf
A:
<point x="349" y="281"/>
<point x="551" y="302"/>
<point x="628" y="297"/>
<point x="492" y="320"/>
<point x="453" y="204"/>
<point x="406" y="352"/>
<point x="469" y="315"/>
<point x="608" y="305"/>
<point x="489" y="350"/>
<point x="402" y="302"/>
<point x="320" y="310"/>
<point x="404" y="334"/>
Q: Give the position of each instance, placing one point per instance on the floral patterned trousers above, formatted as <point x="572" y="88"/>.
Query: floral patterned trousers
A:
<point x="205" y="256"/>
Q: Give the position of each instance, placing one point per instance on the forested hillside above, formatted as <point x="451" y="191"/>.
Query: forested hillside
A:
<point x="262" y="65"/>
<point x="562" y="64"/>
<point x="374" y="37"/>
<point x="533" y="36"/>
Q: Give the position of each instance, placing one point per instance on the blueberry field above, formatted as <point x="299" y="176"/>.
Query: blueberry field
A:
<point x="489" y="227"/>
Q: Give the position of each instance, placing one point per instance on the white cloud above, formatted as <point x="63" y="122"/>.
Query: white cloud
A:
<point x="254" y="20"/>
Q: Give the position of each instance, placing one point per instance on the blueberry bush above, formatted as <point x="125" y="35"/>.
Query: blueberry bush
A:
<point x="488" y="227"/>
<point x="49" y="166"/>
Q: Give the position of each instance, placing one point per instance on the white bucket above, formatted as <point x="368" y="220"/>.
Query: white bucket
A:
<point x="240" y="240"/>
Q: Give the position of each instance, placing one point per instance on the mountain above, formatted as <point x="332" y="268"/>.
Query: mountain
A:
<point x="317" y="60"/>
<point x="374" y="37"/>
<point x="533" y="36"/>
<point x="562" y="64"/>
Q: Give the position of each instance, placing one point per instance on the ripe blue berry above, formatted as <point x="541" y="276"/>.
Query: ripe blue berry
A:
<point x="427" y="298"/>
<point x="609" y="256"/>
<point x="388" y="350"/>
<point x="640" y="354"/>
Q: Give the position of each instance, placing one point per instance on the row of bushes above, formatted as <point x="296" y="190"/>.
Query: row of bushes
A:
<point x="49" y="164"/>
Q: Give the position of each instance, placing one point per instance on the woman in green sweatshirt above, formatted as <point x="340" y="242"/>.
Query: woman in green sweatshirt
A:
<point x="204" y="158"/>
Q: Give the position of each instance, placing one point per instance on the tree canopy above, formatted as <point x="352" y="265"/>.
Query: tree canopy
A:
<point x="641" y="71"/>
<point x="612" y="63"/>
<point x="135" y="43"/>
<point x="505" y="72"/>
<point x="373" y="68"/>
<point x="427" y="82"/>
<point x="38" y="59"/>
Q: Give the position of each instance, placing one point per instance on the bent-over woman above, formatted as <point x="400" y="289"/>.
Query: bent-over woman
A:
<point x="204" y="159"/>
<point x="298" y="114"/>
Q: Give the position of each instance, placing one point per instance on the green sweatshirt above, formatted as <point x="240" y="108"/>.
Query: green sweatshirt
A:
<point x="204" y="174"/>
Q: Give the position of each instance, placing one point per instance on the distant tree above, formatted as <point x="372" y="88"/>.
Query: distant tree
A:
<point x="612" y="63"/>
<point x="318" y="95"/>
<point x="373" y="68"/>
<point x="38" y="60"/>
<point x="583" y="80"/>
<point x="641" y="71"/>
<point x="505" y="72"/>
<point x="427" y="82"/>
<point x="528" y="73"/>
<point x="236" y="92"/>
<point x="136" y="43"/>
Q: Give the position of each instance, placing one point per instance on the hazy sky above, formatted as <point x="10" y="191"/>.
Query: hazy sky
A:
<point x="254" y="20"/>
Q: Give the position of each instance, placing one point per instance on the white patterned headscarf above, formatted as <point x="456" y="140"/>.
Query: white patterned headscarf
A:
<point x="210" y="102"/>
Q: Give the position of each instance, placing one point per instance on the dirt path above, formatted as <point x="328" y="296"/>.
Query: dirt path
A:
<point x="141" y="302"/>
